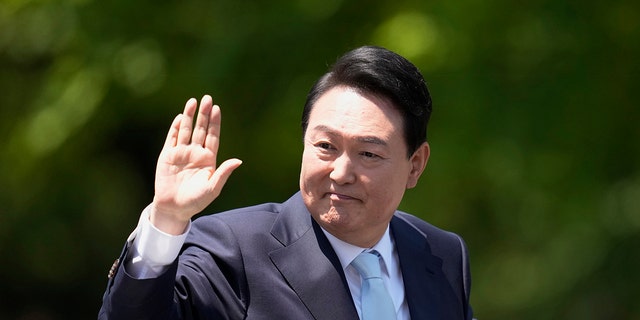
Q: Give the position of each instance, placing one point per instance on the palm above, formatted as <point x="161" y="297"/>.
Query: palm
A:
<point x="183" y="176"/>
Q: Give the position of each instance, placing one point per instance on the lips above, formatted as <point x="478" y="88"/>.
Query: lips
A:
<point x="340" y="197"/>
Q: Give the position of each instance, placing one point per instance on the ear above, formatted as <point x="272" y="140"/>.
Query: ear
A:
<point x="418" y="162"/>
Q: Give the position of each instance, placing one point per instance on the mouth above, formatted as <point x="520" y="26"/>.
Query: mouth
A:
<point x="333" y="196"/>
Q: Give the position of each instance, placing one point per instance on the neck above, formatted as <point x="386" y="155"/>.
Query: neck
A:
<point x="359" y="238"/>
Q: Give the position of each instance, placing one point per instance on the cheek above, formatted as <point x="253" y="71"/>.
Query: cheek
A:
<point x="387" y="192"/>
<point x="310" y="170"/>
<point x="311" y="165"/>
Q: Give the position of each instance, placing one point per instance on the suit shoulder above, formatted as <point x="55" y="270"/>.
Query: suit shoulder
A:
<point x="259" y="211"/>
<point x="434" y="235"/>
<point x="447" y="246"/>
<point x="422" y="225"/>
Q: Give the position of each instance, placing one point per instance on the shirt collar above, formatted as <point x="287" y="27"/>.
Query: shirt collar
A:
<point x="346" y="252"/>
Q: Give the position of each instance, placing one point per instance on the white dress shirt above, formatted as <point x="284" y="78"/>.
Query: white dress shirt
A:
<point x="153" y="251"/>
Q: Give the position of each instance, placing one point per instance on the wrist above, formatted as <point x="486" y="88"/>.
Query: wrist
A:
<point x="167" y="222"/>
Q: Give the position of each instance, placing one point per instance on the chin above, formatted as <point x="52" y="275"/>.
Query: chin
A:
<point x="335" y="217"/>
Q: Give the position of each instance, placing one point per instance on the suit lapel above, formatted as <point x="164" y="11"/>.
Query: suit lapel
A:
<point x="309" y="264"/>
<point x="420" y="270"/>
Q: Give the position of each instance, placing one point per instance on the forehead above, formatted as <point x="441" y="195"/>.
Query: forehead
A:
<point x="352" y="111"/>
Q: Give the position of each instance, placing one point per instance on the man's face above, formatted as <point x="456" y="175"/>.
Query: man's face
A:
<point x="354" y="165"/>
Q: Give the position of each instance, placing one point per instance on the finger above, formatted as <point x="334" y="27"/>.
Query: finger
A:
<point x="186" y="123"/>
<point x="222" y="174"/>
<point x="213" y="131"/>
<point x="202" y="121"/>
<point x="172" y="135"/>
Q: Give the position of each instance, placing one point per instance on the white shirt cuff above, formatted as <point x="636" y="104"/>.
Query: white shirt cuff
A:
<point x="152" y="250"/>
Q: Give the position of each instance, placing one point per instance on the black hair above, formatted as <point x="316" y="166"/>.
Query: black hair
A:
<point x="383" y="73"/>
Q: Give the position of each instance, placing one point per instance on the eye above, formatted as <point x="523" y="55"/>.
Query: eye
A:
<point x="369" y="155"/>
<point x="324" y="146"/>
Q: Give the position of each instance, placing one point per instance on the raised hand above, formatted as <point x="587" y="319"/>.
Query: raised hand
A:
<point x="187" y="178"/>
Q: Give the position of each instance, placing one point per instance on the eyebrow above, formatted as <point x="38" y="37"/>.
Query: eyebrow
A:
<point x="364" y="139"/>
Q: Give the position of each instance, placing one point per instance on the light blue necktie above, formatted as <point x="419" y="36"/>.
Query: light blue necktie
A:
<point x="376" y="303"/>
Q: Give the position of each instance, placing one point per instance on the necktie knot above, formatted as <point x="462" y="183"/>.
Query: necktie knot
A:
<point x="368" y="265"/>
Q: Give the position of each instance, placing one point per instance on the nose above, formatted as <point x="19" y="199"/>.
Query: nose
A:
<point x="342" y="170"/>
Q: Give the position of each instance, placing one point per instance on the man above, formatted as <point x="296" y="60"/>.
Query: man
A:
<point x="364" y="127"/>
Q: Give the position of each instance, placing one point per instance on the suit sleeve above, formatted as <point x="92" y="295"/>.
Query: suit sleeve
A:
<point x="129" y="298"/>
<point x="206" y="281"/>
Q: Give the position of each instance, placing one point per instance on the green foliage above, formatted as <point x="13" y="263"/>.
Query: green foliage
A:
<point x="534" y="136"/>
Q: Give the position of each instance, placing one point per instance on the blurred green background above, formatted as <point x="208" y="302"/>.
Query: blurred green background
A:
<point x="535" y="137"/>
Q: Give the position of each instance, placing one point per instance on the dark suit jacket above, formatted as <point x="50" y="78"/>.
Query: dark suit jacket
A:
<point x="272" y="261"/>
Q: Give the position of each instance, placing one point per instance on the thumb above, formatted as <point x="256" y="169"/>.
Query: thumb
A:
<point x="222" y="174"/>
